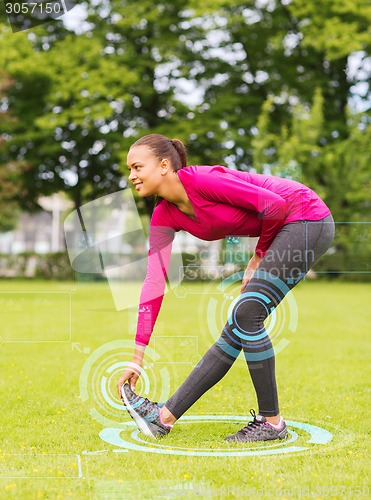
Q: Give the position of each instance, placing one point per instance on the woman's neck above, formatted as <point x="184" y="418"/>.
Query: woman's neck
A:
<point x="173" y="191"/>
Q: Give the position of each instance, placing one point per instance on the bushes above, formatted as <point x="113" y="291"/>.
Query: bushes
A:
<point x="345" y="267"/>
<point x="339" y="265"/>
<point x="32" y="265"/>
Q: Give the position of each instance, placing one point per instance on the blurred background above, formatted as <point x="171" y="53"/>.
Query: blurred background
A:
<point x="272" y="86"/>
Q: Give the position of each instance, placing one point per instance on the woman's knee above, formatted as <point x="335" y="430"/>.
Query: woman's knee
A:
<point x="249" y="315"/>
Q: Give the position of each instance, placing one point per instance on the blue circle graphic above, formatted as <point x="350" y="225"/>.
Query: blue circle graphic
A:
<point x="100" y="372"/>
<point x="285" y="320"/>
<point x="317" y="435"/>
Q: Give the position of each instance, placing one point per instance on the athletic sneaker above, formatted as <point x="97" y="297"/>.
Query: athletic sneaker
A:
<point x="145" y="413"/>
<point x="259" y="430"/>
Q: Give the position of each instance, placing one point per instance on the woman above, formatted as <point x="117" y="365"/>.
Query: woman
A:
<point x="212" y="203"/>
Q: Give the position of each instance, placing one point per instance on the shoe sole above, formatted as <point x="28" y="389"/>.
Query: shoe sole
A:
<point x="254" y="441"/>
<point x="141" y="424"/>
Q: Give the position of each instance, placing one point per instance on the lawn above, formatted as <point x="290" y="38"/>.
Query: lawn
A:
<point x="64" y="344"/>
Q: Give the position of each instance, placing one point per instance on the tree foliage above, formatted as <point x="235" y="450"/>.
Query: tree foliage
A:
<point x="338" y="171"/>
<point x="10" y="174"/>
<point x="263" y="83"/>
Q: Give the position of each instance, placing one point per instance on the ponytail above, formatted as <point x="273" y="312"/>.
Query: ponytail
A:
<point x="181" y="150"/>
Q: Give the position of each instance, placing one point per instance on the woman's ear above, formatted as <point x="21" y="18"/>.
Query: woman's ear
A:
<point x="164" y="166"/>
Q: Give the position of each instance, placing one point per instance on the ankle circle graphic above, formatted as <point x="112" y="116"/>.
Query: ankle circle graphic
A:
<point x="101" y="372"/>
<point x="310" y="436"/>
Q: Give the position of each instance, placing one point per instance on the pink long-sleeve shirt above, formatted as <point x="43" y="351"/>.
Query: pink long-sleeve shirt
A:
<point x="226" y="203"/>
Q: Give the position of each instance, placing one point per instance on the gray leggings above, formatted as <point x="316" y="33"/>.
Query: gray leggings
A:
<point x="295" y="249"/>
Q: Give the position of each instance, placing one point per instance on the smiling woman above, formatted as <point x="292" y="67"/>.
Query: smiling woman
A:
<point x="152" y="161"/>
<point x="213" y="202"/>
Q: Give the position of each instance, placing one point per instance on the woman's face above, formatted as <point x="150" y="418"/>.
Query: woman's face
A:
<point x="146" y="171"/>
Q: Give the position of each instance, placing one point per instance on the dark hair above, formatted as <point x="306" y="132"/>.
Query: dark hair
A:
<point x="163" y="147"/>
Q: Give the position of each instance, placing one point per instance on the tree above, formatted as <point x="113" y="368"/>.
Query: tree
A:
<point x="339" y="172"/>
<point x="60" y="113"/>
<point x="10" y="175"/>
<point x="79" y="100"/>
<point x="272" y="48"/>
<point x="9" y="189"/>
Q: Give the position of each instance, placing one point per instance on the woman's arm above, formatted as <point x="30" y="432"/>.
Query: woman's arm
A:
<point x="153" y="288"/>
<point x="151" y="297"/>
<point x="252" y="266"/>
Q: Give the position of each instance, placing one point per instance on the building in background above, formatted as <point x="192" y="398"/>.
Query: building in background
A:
<point x="41" y="232"/>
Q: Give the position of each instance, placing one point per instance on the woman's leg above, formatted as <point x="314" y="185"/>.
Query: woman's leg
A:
<point x="294" y="250"/>
<point x="210" y="369"/>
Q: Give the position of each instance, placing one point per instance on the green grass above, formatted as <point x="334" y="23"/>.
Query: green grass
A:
<point x="46" y="422"/>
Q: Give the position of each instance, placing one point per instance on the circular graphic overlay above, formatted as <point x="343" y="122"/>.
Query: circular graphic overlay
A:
<point x="313" y="435"/>
<point x="219" y="309"/>
<point x="101" y="372"/>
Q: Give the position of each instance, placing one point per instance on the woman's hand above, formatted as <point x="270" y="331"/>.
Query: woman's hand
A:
<point x="131" y="375"/>
<point x="133" y="371"/>
<point x="252" y="266"/>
